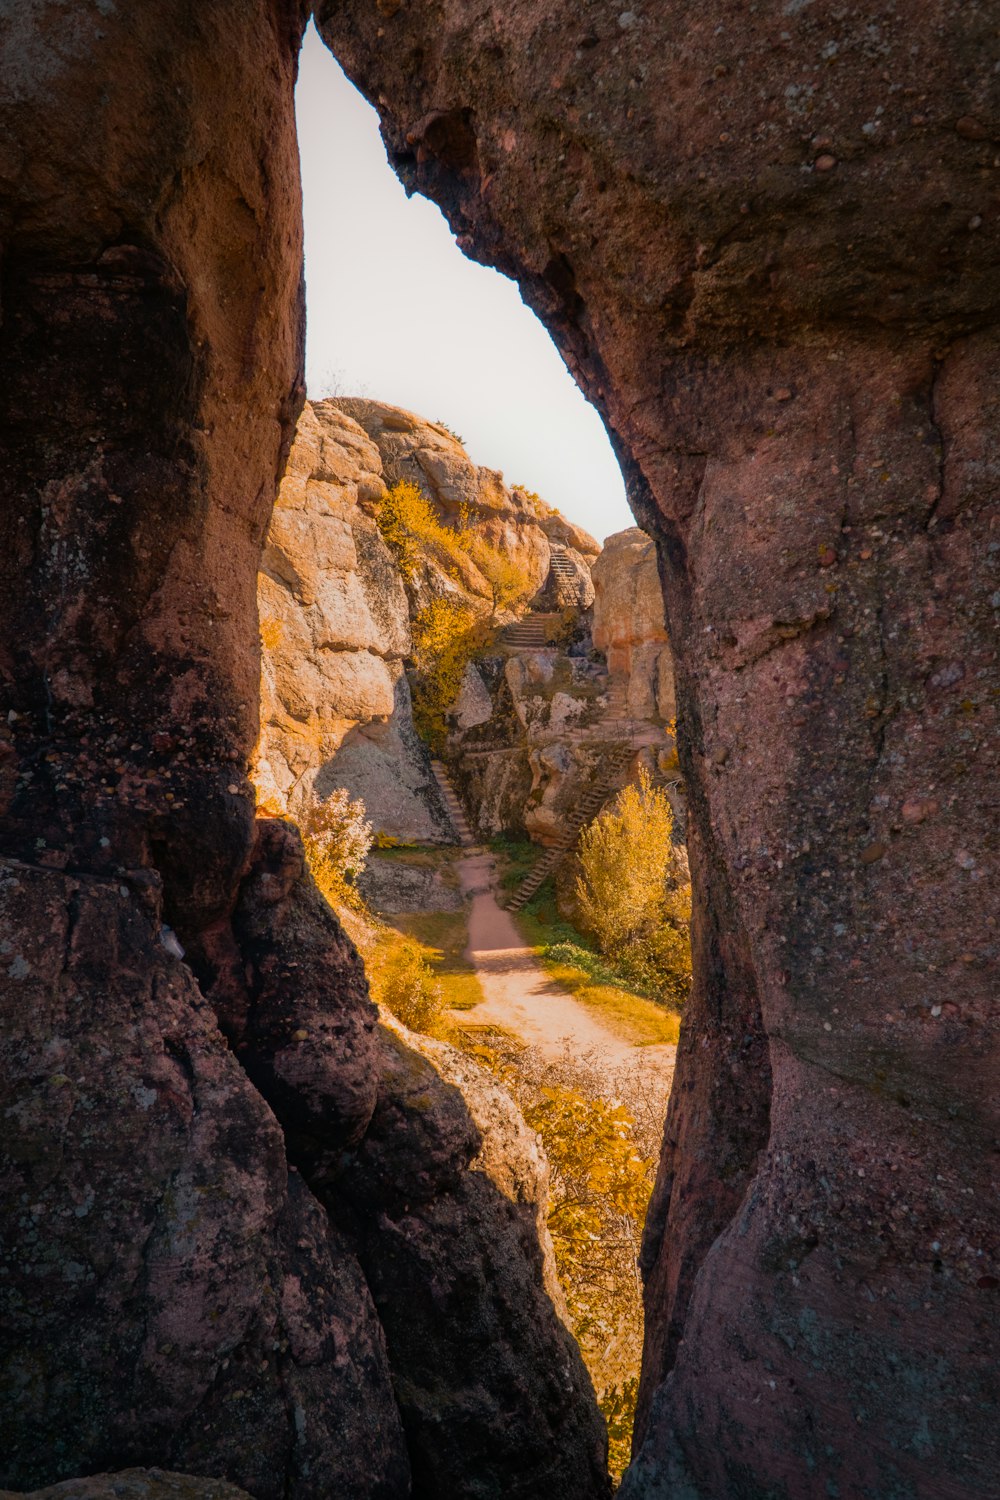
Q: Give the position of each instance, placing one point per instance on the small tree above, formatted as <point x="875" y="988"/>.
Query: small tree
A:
<point x="630" y="893"/>
<point x="337" y="838"/>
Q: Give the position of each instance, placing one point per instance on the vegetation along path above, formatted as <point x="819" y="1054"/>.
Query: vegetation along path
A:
<point x="520" y="997"/>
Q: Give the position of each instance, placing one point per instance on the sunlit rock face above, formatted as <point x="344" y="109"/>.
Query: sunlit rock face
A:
<point x="335" y="631"/>
<point x="517" y="523"/>
<point x="629" y="625"/>
<point x="764" y="239"/>
<point x="190" y="1060"/>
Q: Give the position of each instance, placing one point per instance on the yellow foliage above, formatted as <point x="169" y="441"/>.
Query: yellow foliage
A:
<point x="337" y="837"/>
<point x="599" y="1189"/>
<point x="446" y="636"/>
<point x="403" y="982"/>
<point x="629" y="892"/>
<point x="271" y="632"/>
<point x="412" y="529"/>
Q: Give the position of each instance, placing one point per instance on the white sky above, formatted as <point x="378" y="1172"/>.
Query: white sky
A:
<point x="395" y="312"/>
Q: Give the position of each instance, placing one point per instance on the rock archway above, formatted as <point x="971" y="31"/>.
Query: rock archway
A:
<point x="765" y="240"/>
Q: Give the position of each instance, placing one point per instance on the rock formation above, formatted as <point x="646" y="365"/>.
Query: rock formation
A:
<point x="137" y="1484"/>
<point x="629" y="627"/>
<point x="336" y="609"/>
<point x="764" y="238"/>
<point x="335" y="628"/>
<point x="520" y="525"/>
<point x="532" y="728"/>
<point x="190" y="1061"/>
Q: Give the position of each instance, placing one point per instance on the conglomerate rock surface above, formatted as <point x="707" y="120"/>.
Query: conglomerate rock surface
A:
<point x="188" y="1053"/>
<point x="765" y="239"/>
<point x="137" y="1484"/>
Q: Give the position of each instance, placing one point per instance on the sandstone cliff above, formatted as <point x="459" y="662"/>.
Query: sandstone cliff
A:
<point x="335" y="607"/>
<point x="630" y="626"/>
<point x="533" y="727"/>
<point x="519" y="525"/>
<point x="335" y="631"/>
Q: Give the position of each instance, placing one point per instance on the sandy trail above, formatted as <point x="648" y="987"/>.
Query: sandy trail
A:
<point x="521" y="997"/>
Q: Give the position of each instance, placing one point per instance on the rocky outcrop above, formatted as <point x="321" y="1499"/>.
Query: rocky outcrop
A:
<point x="447" y="1200"/>
<point x="188" y="1054"/>
<point x="763" y="240"/>
<point x="532" y="729"/>
<point x="335" y="630"/>
<point x="517" y="524"/>
<point x="169" y="1284"/>
<point x="629" y="626"/>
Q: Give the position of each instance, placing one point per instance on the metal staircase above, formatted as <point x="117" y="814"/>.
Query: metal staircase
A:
<point x="607" y="781"/>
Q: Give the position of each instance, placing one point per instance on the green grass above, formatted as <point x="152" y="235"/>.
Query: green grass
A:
<point x="515" y="859"/>
<point x="576" y="967"/>
<point x="444" y="936"/>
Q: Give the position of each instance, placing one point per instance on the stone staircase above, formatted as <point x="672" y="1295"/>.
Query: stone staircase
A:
<point x="608" y="781"/>
<point x="456" y="812"/>
<point x="528" y="634"/>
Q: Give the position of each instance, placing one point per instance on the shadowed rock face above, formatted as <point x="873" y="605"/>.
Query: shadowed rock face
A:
<point x="188" y="1054"/>
<point x="765" y="240"/>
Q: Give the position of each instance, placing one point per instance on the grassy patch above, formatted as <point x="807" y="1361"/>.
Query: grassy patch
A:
<point x="575" y="966"/>
<point x="444" y="936"/>
<point x="515" y="859"/>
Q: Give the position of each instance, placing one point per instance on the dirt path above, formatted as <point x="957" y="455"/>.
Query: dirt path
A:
<point x="521" y="997"/>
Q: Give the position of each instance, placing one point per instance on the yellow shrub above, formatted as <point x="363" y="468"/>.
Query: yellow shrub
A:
<point x="446" y="636"/>
<point x="337" y="837"/>
<point x="631" y="897"/>
<point x="402" y="981"/>
<point x="412" y="529"/>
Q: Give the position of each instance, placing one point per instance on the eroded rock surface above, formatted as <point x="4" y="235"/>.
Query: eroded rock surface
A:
<point x="764" y="239"/>
<point x="518" y="524"/>
<point x="629" y="626"/>
<point x="188" y="1053"/>
<point x="335" y="628"/>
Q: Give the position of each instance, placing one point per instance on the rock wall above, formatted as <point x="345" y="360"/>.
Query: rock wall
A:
<point x="335" y="632"/>
<point x="630" y="627"/>
<point x="764" y="239"/>
<point x="532" y="729"/>
<point x="518" y="524"/>
<point x="212" y="1161"/>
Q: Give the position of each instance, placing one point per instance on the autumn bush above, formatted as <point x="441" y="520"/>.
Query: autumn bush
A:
<point x="412" y="529"/>
<point x="632" y="892"/>
<point x="337" y="837"/>
<point x="447" y="634"/>
<point x="601" y="1135"/>
<point x="403" y="982"/>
